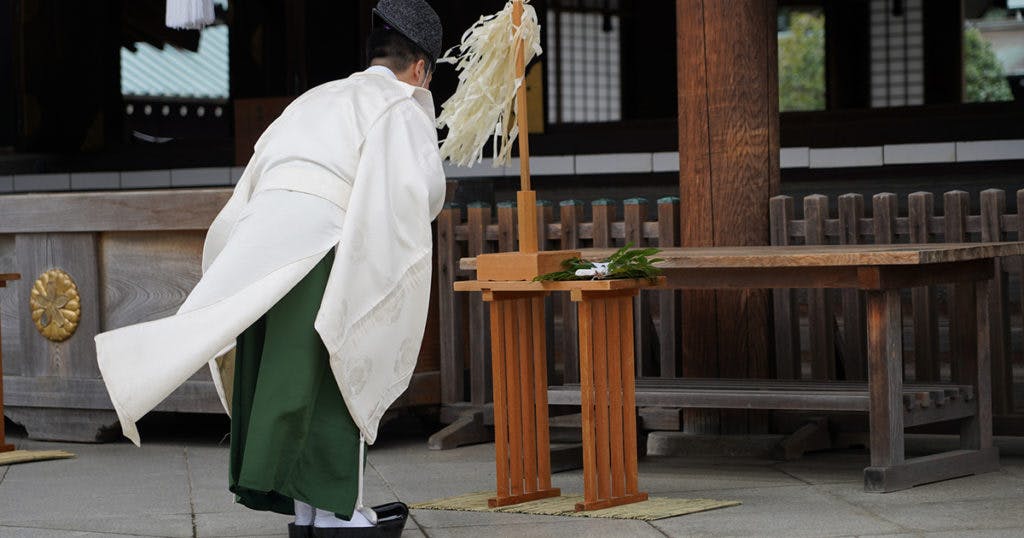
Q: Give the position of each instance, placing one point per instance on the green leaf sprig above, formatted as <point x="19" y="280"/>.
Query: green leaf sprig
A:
<point x="623" y="264"/>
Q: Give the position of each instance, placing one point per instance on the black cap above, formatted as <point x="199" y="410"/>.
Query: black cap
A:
<point x="414" y="19"/>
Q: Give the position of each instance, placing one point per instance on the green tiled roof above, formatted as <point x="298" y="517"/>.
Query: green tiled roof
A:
<point x="171" y="72"/>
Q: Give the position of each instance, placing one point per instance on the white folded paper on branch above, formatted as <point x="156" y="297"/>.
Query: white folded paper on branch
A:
<point x="189" y="14"/>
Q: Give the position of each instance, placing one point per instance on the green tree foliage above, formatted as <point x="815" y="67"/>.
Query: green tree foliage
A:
<point x="802" y="62"/>
<point x="983" y="74"/>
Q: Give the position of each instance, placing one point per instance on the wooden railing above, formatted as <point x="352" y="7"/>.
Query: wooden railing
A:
<point x="818" y="334"/>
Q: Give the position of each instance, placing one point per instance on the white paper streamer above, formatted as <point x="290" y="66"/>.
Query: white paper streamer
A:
<point x="484" y="103"/>
<point x="189" y="14"/>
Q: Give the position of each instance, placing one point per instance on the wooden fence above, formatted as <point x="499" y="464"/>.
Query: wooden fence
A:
<point x="819" y="334"/>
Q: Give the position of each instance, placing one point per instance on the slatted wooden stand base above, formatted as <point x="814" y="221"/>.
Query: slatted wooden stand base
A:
<point x="519" y="366"/>
<point x="520" y="389"/>
<point x="608" y="399"/>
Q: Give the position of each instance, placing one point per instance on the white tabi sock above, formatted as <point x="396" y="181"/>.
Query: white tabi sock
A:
<point x="304" y="513"/>
<point x="326" y="519"/>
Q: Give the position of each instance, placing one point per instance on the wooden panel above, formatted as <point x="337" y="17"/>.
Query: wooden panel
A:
<point x="76" y="254"/>
<point x="192" y="209"/>
<point x="147" y="276"/>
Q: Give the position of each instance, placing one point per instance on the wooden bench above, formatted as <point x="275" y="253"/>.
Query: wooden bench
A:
<point x="923" y="403"/>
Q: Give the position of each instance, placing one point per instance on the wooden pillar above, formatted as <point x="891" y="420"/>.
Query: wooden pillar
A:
<point x="728" y="170"/>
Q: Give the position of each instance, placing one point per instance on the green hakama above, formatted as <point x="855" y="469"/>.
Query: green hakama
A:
<point x="292" y="437"/>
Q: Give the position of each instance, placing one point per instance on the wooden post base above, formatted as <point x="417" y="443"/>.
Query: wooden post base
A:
<point x="607" y="393"/>
<point x="495" y="502"/>
<point x="608" y="503"/>
<point x="6" y="448"/>
<point x="932" y="468"/>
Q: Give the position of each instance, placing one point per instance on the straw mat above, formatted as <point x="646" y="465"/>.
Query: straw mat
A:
<point x="649" y="510"/>
<point x="24" y="456"/>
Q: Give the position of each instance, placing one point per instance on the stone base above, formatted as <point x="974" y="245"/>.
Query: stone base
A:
<point x="77" y="425"/>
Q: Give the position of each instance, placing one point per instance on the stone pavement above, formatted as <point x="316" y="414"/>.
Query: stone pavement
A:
<point x="175" y="486"/>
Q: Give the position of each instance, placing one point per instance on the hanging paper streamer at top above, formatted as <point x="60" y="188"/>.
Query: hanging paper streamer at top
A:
<point x="189" y="14"/>
<point x="484" y="103"/>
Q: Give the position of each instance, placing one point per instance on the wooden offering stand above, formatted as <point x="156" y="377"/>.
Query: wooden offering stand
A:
<point x="4" y="447"/>
<point x="519" y="361"/>
<point x="606" y="383"/>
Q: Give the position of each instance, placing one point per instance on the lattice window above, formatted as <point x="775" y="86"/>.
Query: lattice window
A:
<point x="897" y="53"/>
<point x="583" y="61"/>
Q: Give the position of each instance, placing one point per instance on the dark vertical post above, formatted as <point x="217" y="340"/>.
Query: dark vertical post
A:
<point x="728" y="170"/>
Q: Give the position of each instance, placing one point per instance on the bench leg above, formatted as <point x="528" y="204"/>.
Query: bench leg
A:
<point x="885" y="382"/>
<point x="889" y="470"/>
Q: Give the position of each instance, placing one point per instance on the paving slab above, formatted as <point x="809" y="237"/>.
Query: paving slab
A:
<point x="978" y="514"/>
<point x="132" y="481"/>
<point x="140" y="524"/>
<point x="180" y="484"/>
<point x="29" y="532"/>
<point x="779" y="511"/>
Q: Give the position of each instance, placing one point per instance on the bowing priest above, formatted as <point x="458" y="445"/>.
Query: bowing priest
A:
<point x="313" y="299"/>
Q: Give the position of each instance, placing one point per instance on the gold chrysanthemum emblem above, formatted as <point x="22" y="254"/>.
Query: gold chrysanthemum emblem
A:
<point x="55" y="305"/>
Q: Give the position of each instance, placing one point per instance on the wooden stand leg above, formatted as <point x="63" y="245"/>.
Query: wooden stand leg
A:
<point x="608" y="399"/>
<point x="4" y="447"/>
<point x="522" y="449"/>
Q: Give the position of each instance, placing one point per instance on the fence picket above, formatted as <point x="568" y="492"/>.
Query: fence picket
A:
<point x="993" y="206"/>
<point x="603" y="214"/>
<point x="571" y="214"/>
<point x="507" y="229"/>
<point x="921" y="208"/>
<point x="669" y="350"/>
<point x="854" y="354"/>
<point x="634" y="215"/>
<point x="449" y="305"/>
<point x="478" y="216"/>
<point x="962" y="324"/>
<point x="819" y="308"/>
<point x="787" y="322"/>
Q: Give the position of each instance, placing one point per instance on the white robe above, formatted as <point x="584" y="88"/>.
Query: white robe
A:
<point x="351" y="164"/>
